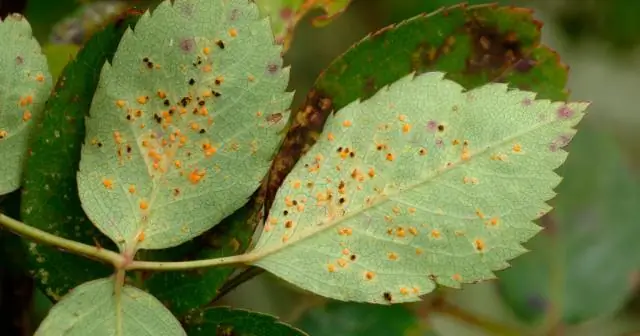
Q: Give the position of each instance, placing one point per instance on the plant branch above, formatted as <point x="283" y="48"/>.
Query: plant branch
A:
<point x="187" y="265"/>
<point x="67" y="245"/>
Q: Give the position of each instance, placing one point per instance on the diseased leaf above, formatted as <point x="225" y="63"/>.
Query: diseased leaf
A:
<point x="591" y="235"/>
<point x="422" y="184"/>
<point x="25" y="81"/>
<point x="237" y="322"/>
<point x="93" y="309"/>
<point x="50" y="194"/>
<point x="174" y="149"/>
<point x="473" y="45"/>
<point x="356" y="319"/>
<point x="285" y="15"/>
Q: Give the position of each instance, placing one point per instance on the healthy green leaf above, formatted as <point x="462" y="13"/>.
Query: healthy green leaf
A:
<point x="25" y="81"/>
<point x="237" y="322"/>
<point x="181" y="144"/>
<point x="356" y="319"/>
<point x="94" y="309"/>
<point x="421" y="184"/>
<point x="591" y="235"/>
<point x="473" y="45"/>
<point x="285" y="14"/>
<point x="50" y="193"/>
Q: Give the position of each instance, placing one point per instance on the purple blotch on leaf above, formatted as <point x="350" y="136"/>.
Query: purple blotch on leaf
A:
<point x="537" y="302"/>
<point x="560" y="142"/>
<point x="187" y="44"/>
<point x="565" y="112"/>
<point x="432" y="126"/>
<point x="272" y="68"/>
<point x="524" y="65"/>
<point x="234" y="14"/>
<point x="527" y="102"/>
<point x="286" y="13"/>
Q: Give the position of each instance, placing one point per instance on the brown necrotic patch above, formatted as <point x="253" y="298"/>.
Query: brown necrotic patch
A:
<point x="494" y="51"/>
<point x="307" y="124"/>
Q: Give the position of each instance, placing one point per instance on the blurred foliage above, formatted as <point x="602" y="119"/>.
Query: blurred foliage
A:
<point x="581" y="277"/>
<point x="590" y="235"/>
<point x="354" y="319"/>
<point x="614" y="21"/>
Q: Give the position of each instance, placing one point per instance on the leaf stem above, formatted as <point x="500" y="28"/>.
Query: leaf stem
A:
<point x="118" y="287"/>
<point x="186" y="265"/>
<point x="67" y="245"/>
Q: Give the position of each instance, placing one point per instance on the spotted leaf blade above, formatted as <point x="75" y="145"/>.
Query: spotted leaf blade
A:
<point x="184" y="122"/>
<point x="25" y="81"/>
<point x="422" y="184"/>
<point x="91" y="309"/>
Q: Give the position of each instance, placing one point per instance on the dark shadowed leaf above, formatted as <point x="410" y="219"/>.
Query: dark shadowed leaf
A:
<point x="237" y="322"/>
<point x="356" y="319"/>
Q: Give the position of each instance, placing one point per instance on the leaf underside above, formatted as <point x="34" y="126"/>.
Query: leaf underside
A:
<point x="25" y="84"/>
<point x="184" y="122"/>
<point x="90" y="309"/>
<point x="422" y="184"/>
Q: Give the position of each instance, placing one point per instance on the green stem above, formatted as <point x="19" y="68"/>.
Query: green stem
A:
<point x="118" y="287"/>
<point x="187" y="265"/>
<point x="67" y="245"/>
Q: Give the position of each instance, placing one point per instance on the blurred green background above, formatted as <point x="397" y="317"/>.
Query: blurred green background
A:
<point x="582" y="276"/>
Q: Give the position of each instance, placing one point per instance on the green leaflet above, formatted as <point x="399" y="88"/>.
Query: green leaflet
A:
<point x="236" y="322"/>
<point x="91" y="309"/>
<point x="184" y="122"/>
<point x="422" y="184"/>
<point x="25" y="81"/>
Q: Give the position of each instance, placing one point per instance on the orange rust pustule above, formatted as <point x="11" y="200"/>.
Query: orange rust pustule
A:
<point x="306" y="125"/>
